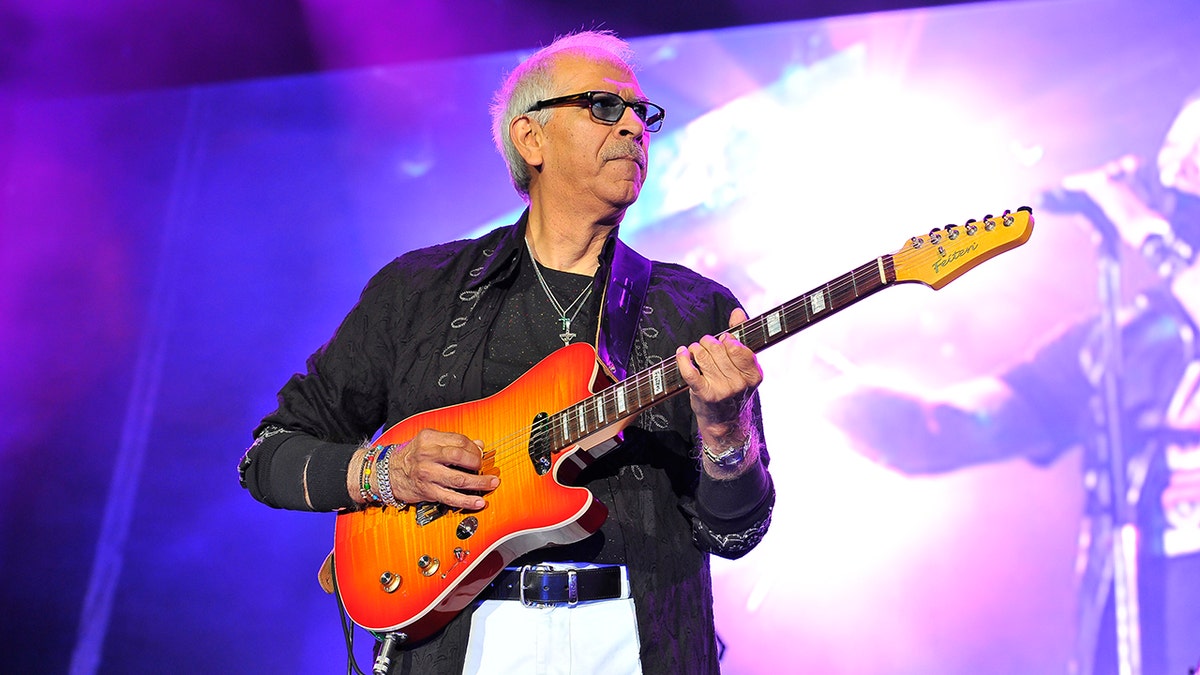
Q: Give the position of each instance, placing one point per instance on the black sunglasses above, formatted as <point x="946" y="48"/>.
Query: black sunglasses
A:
<point x="608" y="107"/>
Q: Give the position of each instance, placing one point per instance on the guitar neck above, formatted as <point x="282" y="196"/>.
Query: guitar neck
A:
<point x="652" y="386"/>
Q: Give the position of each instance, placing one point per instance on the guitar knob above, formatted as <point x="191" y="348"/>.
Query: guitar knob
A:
<point x="389" y="581"/>
<point x="429" y="566"/>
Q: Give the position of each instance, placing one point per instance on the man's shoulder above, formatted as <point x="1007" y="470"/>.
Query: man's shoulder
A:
<point x="683" y="280"/>
<point x="444" y="258"/>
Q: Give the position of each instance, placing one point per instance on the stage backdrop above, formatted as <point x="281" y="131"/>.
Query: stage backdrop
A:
<point x="168" y="259"/>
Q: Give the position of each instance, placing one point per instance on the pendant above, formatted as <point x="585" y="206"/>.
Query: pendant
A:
<point x="566" y="336"/>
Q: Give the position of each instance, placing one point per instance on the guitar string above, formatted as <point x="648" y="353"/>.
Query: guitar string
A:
<point x="521" y="438"/>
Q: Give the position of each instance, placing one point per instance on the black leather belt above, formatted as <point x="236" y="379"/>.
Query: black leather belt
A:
<point x="536" y="585"/>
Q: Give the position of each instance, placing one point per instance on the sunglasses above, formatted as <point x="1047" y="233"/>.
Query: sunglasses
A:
<point x="608" y="107"/>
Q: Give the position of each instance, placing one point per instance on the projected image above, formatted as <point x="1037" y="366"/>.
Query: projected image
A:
<point x="945" y="461"/>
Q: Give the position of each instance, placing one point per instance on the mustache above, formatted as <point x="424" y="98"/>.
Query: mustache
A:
<point x="626" y="150"/>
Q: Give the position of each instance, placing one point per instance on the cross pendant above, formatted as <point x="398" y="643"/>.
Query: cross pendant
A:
<point x="566" y="336"/>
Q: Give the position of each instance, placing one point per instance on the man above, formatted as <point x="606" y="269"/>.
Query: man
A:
<point x="1047" y="405"/>
<point x="460" y="321"/>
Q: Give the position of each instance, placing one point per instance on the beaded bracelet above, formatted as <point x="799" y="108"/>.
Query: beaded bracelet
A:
<point x="364" y="477"/>
<point x="383" y="464"/>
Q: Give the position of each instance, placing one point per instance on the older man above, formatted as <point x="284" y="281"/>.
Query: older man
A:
<point x="461" y="321"/>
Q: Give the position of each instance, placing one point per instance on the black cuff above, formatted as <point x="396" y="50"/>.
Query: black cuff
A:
<point x="327" y="476"/>
<point x="736" y="499"/>
<point x="279" y="466"/>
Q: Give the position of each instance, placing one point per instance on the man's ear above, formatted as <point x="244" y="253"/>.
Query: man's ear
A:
<point x="527" y="136"/>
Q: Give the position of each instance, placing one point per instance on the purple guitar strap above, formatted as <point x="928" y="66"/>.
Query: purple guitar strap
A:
<point x="624" y="295"/>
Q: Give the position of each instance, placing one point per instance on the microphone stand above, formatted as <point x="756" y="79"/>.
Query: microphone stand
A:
<point x="1125" y="530"/>
<point x="1110" y="447"/>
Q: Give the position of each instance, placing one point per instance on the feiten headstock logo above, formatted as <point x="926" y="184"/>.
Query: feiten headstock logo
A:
<point x="950" y="257"/>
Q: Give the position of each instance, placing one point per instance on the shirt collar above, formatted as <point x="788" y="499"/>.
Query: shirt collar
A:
<point x="509" y="243"/>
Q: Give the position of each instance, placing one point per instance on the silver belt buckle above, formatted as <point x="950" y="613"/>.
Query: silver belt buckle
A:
<point x="572" y="588"/>
<point x="537" y="568"/>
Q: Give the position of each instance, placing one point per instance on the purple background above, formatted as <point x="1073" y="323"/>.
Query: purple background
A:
<point x="169" y="256"/>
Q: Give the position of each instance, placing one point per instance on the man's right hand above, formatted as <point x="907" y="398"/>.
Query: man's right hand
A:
<point x="439" y="466"/>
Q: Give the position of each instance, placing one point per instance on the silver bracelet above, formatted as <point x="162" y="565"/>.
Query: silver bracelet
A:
<point x="728" y="458"/>
<point x="382" y="468"/>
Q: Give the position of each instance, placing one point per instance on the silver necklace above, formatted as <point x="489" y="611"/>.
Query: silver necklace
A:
<point x="565" y="316"/>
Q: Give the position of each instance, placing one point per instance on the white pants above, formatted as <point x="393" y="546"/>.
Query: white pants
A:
<point x="591" y="637"/>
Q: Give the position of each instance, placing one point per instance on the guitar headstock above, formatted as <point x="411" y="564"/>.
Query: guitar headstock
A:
<point x="946" y="253"/>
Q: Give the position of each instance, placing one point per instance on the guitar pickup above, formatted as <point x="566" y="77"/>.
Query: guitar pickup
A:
<point x="539" y="444"/>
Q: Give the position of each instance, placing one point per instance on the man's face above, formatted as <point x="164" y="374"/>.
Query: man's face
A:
<point x="588" y="161"/>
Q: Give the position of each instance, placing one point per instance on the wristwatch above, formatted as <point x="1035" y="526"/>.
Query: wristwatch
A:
<point x="729" y="457"/>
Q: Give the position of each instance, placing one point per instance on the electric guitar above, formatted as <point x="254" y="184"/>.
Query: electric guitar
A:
<point x="411" y="570"/>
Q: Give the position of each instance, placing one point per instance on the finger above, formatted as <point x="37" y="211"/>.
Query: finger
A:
<point x="457" y="500"/>
<point x="706" y="357"/>
<point x="737" y="317"/>
<point x="449" y="448"/>
<point x="462" y="481"/>
<point x="438" y="483"/>
<point x="742" y="359"/>
<point x="687" y="369"/>
<point x="728" y="364"/>
<point x="457" y="467"/>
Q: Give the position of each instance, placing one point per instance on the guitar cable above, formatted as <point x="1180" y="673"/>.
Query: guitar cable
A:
<point x="348" y="627"/>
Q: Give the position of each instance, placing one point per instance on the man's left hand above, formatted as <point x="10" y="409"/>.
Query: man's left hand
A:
<point x="721" y="374"/>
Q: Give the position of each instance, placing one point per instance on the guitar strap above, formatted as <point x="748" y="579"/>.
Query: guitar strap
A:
<point x="624" y="295"/>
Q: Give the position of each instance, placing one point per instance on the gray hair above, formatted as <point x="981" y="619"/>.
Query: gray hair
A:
<point x="533" y="81"/>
